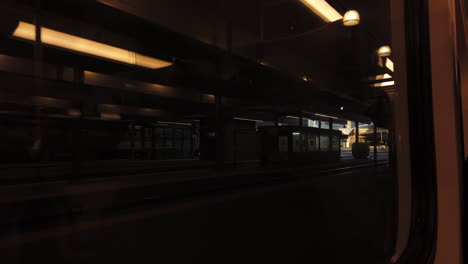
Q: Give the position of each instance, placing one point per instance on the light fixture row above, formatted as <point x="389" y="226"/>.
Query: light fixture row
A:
<point x="27" y="31"/>
<point x="329" y="14"/>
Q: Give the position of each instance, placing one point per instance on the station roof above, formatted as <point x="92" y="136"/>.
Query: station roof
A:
<point x="293" y="43"/>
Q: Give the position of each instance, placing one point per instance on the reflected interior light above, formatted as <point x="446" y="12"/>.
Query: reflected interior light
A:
<point x="110" y="116"/>
<point x="389" y="65"/>
<point x="327" y="116"/>
<point x="174" y="123"/>
<point x="247" y="119"/>
<point x="384" y="84"/>
<point x="296" y="133"/>
<point x="323" y="9"/>
<point x="62" y="40"/>
<point x="296" y="117"/>
<point x="74" y="112"/>
<point x="385" y="51"/>
<point x="351" y="18"/>
<point x="383" y="76"/>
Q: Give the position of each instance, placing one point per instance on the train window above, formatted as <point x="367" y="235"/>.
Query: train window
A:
<point x="261" y="122"/>
<point x="283" y="144"/>
<point x="324" y="143"/>
<point x="312" y="143"/>
<point x="335" y="143"/>
<point x="296" y="141"/>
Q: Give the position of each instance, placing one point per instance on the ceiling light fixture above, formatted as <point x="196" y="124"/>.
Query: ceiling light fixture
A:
<point x="174" y="123"/>
<point x="70" y="42"/>
<point x="351" y="18"/>
<point x="389" y="64"/>
<point x="385" y="51"/>
<point x="323" y="9"/>
<point x="383" y="76"/>
<point x="246" y="119"/>
<point x="384" y="84"/>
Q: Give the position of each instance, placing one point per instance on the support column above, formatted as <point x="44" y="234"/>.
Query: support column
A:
<point x="320" y="137"/>
<point x="132" y="141"/>
<point x="330" y="127"/>
<point x="375" y="143"/>
<point x="357" y="132"/>
<point x="77" y="126"/>
<point x="153" y="143"/>
<point x="219" y="133"/>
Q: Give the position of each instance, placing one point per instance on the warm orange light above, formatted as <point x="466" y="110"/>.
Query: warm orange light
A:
<point x="62" y="40"/>
<point x="174" y="123"/>
<point x="389" y="64"/>
<point x="74" y="112"/>
<point x="323" y="9"/>
<point x="383" y="76"/>
<point x="110" y="116"/>
<point x="351" y="18"/>
<point x="385" y="51"/>
<point x="384" y="84"/>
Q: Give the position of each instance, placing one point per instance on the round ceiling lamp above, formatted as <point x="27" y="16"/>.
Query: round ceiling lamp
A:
<point x="385" y="51"/>
<point x="351" y="18"/>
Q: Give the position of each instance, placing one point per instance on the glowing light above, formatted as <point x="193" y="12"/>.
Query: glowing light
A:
<point x="389" y="65"/>
<point x="296" y="134"/>
<point x="385" y="51"/>
<point x="351" y="18"/>
<point x="246" y="119"/>
<point x="384" y="84"/>
<point x="74" y="112"/>
<point x="62" y="40"/>
<point x="174" y="123"/>
<point x="323" y="9"/>
<point x="327" y="116"/>
<point x="296" y="117"/>
<point x="110" y="116"/>
<point x="383" y="76"/>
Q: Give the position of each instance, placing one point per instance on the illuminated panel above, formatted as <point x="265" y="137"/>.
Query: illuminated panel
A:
<point x="296" y="117"/>
<point x="174" y="123"/>
<point x="383" y="76"/>
<point x="324" y="10"/>
<point x="58" y="39"/>
<point x="110" y="116"/>
<point x="246" y="119"/>
<point x="327" y="116"/>
<point x="389" y="65"/>
<point x="384" y="84"/>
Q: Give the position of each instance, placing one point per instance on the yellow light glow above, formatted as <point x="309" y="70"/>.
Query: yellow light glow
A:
<point x="384" y="84"/>
<point x="296" y="117"/>
<point x="389" y="65"/>
<point x="62" y="40"/>
<point x="327" y="116"/>
<point x="246" y="119"/>
<point x="385" y="51"/>
<point x="351" y="18"/>
<point x="383" y="76"/>
<point x="74" y="112"/>
<point x="174" y="123"/>
<point x="110" y="116"/>
<point x="323" y="9"/>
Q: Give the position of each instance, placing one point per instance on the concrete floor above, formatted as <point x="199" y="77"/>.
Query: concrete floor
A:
<point x="345" y="218"/>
